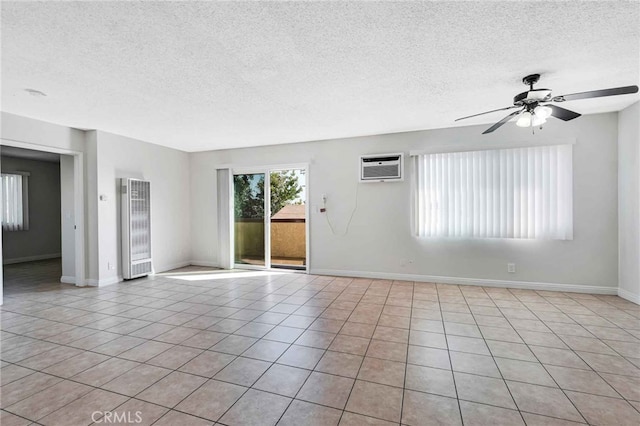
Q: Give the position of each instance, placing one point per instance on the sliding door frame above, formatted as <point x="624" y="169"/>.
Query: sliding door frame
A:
<point x="267" y="169"/>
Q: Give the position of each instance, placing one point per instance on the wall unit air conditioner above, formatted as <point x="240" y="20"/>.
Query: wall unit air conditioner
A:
<point x="381" y="168"/>
<point x="136" y="228"/>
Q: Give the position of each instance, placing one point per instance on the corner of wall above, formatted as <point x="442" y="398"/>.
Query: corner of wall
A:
<point x="629" y="203"/>
<point x="630" y="296"/>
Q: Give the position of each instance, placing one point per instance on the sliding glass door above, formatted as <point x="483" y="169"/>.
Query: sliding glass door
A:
<point x="270" y="223"/>
<point x="249" y="219"/>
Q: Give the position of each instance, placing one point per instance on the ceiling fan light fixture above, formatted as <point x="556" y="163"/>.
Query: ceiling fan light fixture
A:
<point x="524" y="120"/>
<point x="537" y="120"/>
<point x="543" y="112"/>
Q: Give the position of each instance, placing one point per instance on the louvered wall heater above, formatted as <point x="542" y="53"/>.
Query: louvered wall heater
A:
<point x="136" y="228"/>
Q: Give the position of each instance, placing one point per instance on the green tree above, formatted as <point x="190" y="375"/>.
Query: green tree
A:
<point x="248" y="198"/>
<point x="285" y="188"/>
<point x="249" y="193"/>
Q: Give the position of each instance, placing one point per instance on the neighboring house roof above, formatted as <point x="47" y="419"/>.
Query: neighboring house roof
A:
<point x="290" y="212"/>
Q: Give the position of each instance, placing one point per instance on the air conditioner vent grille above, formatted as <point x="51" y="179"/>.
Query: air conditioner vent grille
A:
<point x="381" y="168"/>
<point x="381" y="171"/>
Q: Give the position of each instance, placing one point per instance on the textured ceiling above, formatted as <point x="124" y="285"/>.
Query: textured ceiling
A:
<point x="208" y="75"/>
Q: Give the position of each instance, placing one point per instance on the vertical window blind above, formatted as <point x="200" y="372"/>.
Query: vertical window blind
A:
<point x="496" y="193"/>
<point x="15" y="205"/>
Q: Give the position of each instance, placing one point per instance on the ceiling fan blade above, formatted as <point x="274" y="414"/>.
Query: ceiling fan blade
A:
<point x="562" y="113"/>
<point x="501" y="122"/>
<point x="487" y="112"/>
<point x="597" y="93"/>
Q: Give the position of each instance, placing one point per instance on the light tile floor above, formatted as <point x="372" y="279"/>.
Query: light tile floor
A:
<point x="196" y="347"/>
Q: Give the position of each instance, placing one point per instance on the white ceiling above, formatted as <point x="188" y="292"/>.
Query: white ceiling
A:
<point x="207" y="75"/>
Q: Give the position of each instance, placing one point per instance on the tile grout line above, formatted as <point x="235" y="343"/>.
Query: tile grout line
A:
<point x="211" y="378"/>
<point x="504" y="381"/>
<point x="292" y="399"/>
<point x="327" y="349"/>
<point x="130" y="397"/>
<point x="406" y="361"/>
<point x="540" y="362"/>
<point x="247" y="307"/>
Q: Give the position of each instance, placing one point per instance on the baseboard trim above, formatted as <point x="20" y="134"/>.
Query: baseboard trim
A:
<point x="104" y="281"/>
<point x="525" y="285"/>
<point x="31" y="258"/>
<point x="627" y="295"/>
<point x="161" y="269"/>
<point x="206" y="263"/>
<point x="67" y="280"/>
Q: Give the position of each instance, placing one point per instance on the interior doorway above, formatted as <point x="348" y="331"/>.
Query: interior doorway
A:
<point x="32" y="202"/>
<point x="270" y="218"/>
<point x="71" y="267"/>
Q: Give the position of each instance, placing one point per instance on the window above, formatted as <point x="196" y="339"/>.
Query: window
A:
<point x="15" y="201"/>
<point x="496" y="193"/>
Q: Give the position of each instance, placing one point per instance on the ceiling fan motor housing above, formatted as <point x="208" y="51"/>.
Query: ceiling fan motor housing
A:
<point x="535" y="95"/>
<point x="532" y="95"/>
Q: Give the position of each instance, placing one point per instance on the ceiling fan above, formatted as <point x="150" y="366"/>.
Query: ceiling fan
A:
<point x="535" y="105"/>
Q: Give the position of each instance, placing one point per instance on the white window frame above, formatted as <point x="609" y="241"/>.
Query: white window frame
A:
<point x="524" y="192"/>
<point x="24" y="226"/>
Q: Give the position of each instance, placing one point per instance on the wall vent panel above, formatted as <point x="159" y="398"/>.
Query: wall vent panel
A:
<point x="136" y="228"/>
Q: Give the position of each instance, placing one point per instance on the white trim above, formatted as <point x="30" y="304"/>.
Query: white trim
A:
<point x="627" y="295"/>
<point x="78" y="199"/>
<point x="68" y="280"/>
<point x="161" y="269"/>
<point x="30" y="258"/>
<point x="528" y="285"/>
<point x="244" y="169"/>
<point x="251" y="267"/>
<point x="307" y="219"/>
<point x="79" y="218"/>
<point x="267" y="220"/>
<point x="266" y="170"/>
<point x="104" y="281"/>
<point x="38" y="147"/>
<point x="205" y="263"/>
<point x="483" y="147"/>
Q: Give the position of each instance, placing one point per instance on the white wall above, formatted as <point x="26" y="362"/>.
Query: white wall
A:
<point x="91" y="206"/>
<point x="629" y="202"/>
<point x="108" y="157"/>
<point x="67" y="215"/>
<point x="23" y="129"/>
<point x="42" y="239"/>
<point x="168" y="171"/>
<point x="379" y="241"/>
<point x="34" y="134"/>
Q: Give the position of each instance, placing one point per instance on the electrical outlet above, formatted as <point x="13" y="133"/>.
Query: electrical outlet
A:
<point x="511" y="268"/>
<point x="111" y="266"/>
